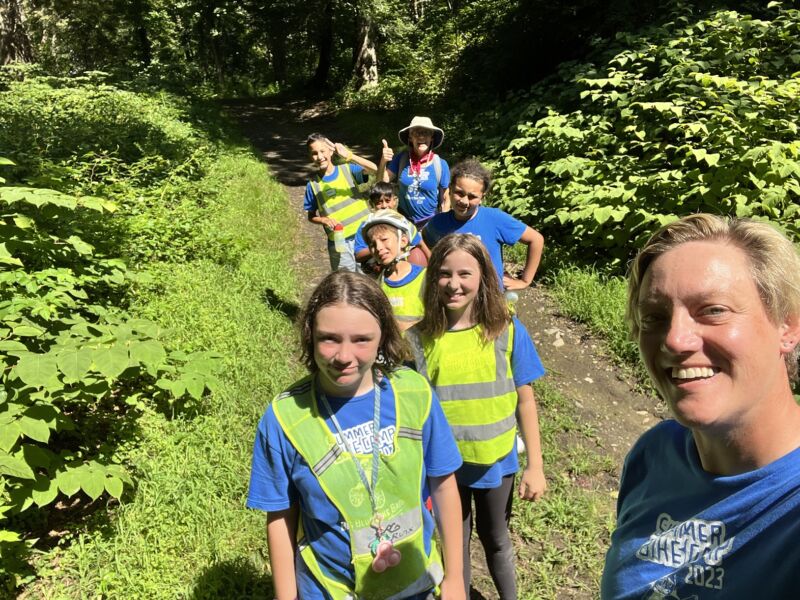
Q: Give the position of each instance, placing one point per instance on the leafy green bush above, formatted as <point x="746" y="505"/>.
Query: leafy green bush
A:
<point x="694" y="115"/>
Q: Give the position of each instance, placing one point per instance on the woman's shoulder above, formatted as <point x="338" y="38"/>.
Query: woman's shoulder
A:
<point x="665" y="437"/>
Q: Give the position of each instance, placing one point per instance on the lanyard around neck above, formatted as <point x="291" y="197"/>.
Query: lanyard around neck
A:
<point x="376" y="423"/>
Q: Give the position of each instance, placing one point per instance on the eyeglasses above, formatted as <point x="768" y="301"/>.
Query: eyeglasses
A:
<point x="420" y="133"/>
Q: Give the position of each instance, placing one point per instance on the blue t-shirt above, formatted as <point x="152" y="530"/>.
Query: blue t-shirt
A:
<point x="685" y="533"/>
<point x="280" y="477"/>
<point x="361" y="243"/>
<point x="419" y="193"/>
<point x="310" y="199"/>
<point x="491" y="225"/>
<point x="526" y="367"/>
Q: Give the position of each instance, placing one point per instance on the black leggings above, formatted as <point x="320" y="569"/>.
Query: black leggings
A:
<point x="492" y="514"/>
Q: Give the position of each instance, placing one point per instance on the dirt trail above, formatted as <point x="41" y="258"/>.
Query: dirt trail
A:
<point x="574" y="359"/>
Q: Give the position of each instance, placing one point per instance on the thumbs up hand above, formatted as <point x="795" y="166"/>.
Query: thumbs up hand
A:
<point x="386" y="152"/>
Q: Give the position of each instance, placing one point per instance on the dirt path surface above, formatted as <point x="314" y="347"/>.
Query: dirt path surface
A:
<point x="576" y="363"/>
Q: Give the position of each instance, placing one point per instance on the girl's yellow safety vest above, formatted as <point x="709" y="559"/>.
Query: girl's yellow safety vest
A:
<point x="475" y="385"/>
<point x="341" y="200"/>
<point x="397" y="495"/>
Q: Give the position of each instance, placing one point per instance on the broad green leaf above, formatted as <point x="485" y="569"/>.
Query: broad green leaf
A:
<point x="195" y="387"/>
<point x="79" y="245"/>
<point x="149" y="352"/>
<point x="15" y="467"/>
<point x="37" y="370"/>
<point x="6" y="161"/>
<point x="111" y="362"/>
<point x="37" y="456"/>
<point x="44" y="491"/>
<point x="69" y="481"/>
<point x="8" y="536"/>
<point x="144" y="326"/>
<point x="34" y="429"/>
<point x="74" y="362"/>
<point x="12" y="346"/>
<point x="114" y="486"/>
<point x="9" y="434"/>
<point x="23" y="222"/>
<point x="93" y="482"/>
<point x="7" y="258"/>
<point x="27" y="331"/>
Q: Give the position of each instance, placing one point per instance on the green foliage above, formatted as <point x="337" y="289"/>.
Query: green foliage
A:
<point x="696" y="115"/>
<point x="121" y="172"/>
<point x="70" y="362"/>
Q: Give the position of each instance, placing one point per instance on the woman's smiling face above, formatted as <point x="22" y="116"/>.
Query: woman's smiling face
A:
<point x="420" y="141"/>
<point x="706" y="338"/>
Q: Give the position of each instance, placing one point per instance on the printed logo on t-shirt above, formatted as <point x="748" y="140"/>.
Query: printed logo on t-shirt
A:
<point x="360" y="438"/>
<point x="413" y="193"/>
<point x="694" y="548"/>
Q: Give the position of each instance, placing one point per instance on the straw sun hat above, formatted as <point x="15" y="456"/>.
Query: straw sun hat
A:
<point x="422" y="123"/>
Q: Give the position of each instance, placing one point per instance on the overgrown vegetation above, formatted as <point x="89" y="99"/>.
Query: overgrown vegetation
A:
<point x="694" y="115"/>
<point x="79" y="367"/>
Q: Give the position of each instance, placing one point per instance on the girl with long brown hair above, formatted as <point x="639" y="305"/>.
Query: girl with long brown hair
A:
<point x="481" y="362"/>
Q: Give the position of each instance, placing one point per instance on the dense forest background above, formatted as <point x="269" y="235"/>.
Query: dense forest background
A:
<point x="124" y="190"/>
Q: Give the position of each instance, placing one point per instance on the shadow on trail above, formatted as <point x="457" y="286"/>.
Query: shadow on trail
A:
<point x="279" y="130"/>
<point x="288" y="308"/>
<point x="237" y="578"/>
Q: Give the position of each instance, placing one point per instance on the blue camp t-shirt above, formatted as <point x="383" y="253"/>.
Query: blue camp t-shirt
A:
<point x="685" y="533"/>
<point x="280" y="477"/>
<point x="491" y="225"/>
<point x="419" y="193"/>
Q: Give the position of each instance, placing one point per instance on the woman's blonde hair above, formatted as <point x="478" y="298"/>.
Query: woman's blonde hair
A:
<point x="774" y="265"/>
<point x="355" y="289"/>
<point x="489" y="309"/>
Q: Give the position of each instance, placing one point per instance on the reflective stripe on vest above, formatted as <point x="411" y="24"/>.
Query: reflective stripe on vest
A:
<point x="398" y="501"/>
<point x="341" y="200"/>
<point x="475" y="385"/>
<point x="406" y="301"/>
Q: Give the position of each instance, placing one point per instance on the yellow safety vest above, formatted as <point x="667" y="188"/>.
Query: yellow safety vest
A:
<point x="341" y="200"/>
<point x="475" y="385"/>
<point x="406" y="300"/>
<point x="397" y="494"/>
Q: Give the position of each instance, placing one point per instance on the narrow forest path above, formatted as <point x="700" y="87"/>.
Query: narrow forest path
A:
<point x="601" y="396"/>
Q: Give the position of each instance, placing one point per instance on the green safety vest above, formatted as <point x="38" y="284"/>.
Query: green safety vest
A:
<point x="475" y="385"/>
<point x="341" y="200"/>
<point x="407" y="303"/>
<point x="397" y="495"/>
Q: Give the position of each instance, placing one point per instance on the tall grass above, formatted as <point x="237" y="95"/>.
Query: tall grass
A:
<point x="185" y="532"/>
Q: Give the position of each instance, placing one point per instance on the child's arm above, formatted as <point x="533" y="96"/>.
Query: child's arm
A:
<point x="532" y="483"/>
<point x="387" y="154"/>
<point x="350" y="156"/>
<point x="444" y="199"/>
<point x="447" y="507"/>
<point x="424" y="247"/>
<point x="535" y="242"/>
<point x="320" y="220"/>
<point x="281" y="535"/>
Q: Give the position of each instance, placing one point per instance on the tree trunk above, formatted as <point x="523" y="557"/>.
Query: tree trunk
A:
<point x="138" y="10"/>
<point x="14" y="43"/>
<point x="320" y="78"/>
<point x="366" y="57"/>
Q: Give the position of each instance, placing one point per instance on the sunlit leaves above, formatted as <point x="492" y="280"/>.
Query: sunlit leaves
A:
<point x="695" y="115"/>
